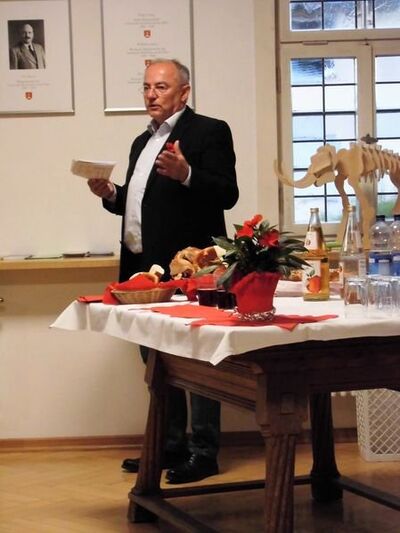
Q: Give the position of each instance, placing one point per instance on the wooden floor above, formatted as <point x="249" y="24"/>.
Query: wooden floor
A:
<point x="86" y="492"/>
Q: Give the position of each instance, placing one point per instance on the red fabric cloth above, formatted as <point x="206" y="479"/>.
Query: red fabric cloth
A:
<point x="90" y="298"/>
<point x="192" y="311"/>
<point x="255" y="292"/>
<point x="288" y="322"/>
<point x="217" y="317"/>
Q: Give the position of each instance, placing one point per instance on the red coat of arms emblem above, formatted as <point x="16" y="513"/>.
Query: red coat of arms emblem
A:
<point x="147" y="33"/>
<point x="28" y="95"/>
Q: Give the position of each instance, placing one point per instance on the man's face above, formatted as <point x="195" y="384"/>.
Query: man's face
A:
<point x="164" y="93"/>
<point x="27" y="34"/>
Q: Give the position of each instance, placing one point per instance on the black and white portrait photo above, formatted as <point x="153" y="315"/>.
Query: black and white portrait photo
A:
<point x="27" y="46"/>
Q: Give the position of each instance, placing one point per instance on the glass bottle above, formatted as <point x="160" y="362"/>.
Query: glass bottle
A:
<point x="352" y="256"/>
<point x="315" y="277"/>
<point x="379" y="260"/>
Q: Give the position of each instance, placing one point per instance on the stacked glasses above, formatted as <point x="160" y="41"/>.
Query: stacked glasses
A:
<point x="372" y="296"/>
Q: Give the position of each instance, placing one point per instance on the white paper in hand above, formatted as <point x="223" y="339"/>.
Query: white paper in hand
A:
<point x="92" y="169"/>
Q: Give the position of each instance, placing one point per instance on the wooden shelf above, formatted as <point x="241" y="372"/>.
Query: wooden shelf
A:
<point x="62" y="263"/>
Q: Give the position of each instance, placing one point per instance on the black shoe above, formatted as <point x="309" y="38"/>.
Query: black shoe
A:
<point x="195" y="468"/>
<point x="171" y="460"/>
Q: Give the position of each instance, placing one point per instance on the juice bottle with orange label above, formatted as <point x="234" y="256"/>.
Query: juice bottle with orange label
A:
<point x="315" y="277"/>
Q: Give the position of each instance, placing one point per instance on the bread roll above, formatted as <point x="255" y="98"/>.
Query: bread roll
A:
<point x="148" y="275"/>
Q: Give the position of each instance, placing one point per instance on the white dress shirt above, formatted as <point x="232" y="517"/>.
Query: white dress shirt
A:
<point x="137" y="184"/>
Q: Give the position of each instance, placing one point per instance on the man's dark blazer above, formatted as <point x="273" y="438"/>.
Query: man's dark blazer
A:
<point x="175" y="216"/>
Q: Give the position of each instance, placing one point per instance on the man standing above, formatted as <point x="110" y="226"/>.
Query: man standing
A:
<point x="27" y="54"/>
<point x="181" y="177"/>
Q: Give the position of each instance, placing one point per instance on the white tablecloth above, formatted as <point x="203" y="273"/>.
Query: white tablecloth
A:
<point x="136" y="323"/>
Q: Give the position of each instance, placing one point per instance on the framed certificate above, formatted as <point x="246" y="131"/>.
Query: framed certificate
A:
<point x="134" y="33"/>
<point x="35" y="57"/>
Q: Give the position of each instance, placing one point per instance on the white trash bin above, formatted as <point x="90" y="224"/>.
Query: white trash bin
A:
<point x="378" y="424"/>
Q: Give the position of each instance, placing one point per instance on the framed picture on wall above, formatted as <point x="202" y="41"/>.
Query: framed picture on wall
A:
<point x="135" y="33"/>
<point x="35" y="57"/>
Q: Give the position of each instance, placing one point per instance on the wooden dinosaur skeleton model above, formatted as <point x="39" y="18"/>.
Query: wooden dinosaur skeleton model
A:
<point x="357" y="164"/>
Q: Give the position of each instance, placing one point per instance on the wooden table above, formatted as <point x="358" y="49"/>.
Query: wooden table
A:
<point x="273" y="372"/>
<point x="277" y="383"/>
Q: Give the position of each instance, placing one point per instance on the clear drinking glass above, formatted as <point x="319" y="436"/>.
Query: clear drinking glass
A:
<point x="355" y="297"/>
<point x="380" y="297"/>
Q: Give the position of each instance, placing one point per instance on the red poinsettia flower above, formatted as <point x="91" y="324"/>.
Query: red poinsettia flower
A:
<point x="254" y="221"/>
<point x="245" y="231"/>
<point x="270" y="238"/>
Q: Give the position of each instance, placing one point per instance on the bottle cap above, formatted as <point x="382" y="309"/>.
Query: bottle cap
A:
<point x="380" y="217"/>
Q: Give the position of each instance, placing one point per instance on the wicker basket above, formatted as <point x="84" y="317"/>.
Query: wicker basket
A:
<point x="144" y="297"/>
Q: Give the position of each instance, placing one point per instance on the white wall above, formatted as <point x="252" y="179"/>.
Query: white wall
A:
<point x="55" y="383"/>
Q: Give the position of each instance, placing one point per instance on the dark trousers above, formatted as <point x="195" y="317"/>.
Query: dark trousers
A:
<point x="205" y="422"/>
<point x="205" y="413"/>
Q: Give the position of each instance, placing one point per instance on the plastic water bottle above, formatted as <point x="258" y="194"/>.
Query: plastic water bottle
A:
<point x="395" y="227"/>
<point x="380" y="258"/>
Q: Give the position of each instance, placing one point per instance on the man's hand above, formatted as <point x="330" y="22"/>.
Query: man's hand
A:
<point x="172" y="163"/>
<point x="103" y="188"/>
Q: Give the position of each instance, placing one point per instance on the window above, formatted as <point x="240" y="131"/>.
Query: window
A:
<point x="336" y="92"/>
<point x="344" y="15"/>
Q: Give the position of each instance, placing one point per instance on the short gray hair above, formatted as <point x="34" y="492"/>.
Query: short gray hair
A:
<point x="184" y="72"/>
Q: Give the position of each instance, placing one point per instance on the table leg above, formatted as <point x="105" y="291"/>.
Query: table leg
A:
<point x="149" y="475"/>
<point x="281" y="409"/>
<point x="324" y="470"/>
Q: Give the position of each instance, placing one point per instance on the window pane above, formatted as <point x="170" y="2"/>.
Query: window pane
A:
<point x="387" y="96"/>
<point x="334" y="209"/>
<point x="302" y="208"/>
<point x="339" y="15"/>
<point x="387" y="68"/>
<point x="340" y="98"/>
<point x="340" y="127"/>
<point x="387" y="14"/>
<point x="339" y="71"/>
<point x="386" y="204"/>
<point x="305" y="16"/>
<point x="308" y="127"/>
<point x="388" y="124"/>
<point x="302" y="153"/>
<point x="391" y="144"/>
<point x="386" y="185"/>
<point x="306" y="99"/>
<point x="306" y="71"/>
